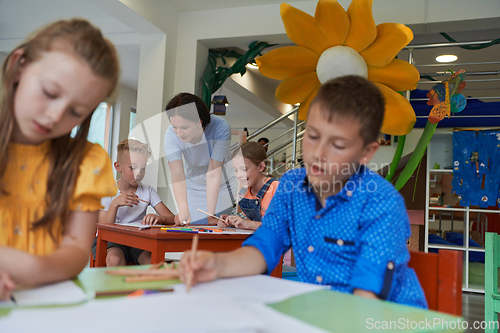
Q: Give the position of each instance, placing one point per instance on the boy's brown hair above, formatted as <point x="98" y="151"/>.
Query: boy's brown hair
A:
<point x="132" y="145"/>
<point x="356" y="98"/>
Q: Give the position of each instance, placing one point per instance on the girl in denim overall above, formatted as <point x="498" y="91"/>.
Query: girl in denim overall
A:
<point x="249" y="163"/>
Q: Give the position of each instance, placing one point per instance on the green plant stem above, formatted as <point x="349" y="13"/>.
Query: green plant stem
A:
<point x="417" y="155"/>
<point x="396" y="158"/>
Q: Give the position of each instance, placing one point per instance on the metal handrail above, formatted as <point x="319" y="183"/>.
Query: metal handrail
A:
<point x="285" y="144"/>
<point x="265" y="127"/>
<point x="430" y="46"/>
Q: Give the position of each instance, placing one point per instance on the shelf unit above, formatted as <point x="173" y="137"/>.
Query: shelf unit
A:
<point x="440" y="150"/>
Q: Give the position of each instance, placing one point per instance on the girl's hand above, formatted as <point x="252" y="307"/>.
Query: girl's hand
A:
<point x="223" y="224"/>
<point x="203" y="268"/>
<point x="151" y="219"/>
<point x="126" y="199"/>
<point x="241" y="223"/>
<point x="212" y="220"/>
<point x="6" y="287"/>
<point x="181" y="217"/>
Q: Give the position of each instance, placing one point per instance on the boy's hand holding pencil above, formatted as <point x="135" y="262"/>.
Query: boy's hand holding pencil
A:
<point x="197" y="266"/>
<point x="126" y="199"/>
<point x="6" y="287"/>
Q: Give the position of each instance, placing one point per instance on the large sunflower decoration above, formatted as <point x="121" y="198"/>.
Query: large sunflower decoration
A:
<point x="335" y="43"/>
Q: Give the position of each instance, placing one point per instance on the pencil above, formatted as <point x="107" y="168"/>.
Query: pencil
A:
<point x="218" y="218"/>
<point x="13" y="299"/>
<point x="143" y="200"/>
<point x="194" y="246"/>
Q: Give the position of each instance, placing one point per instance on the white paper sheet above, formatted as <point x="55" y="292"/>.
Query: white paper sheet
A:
<point x="54" y="294"/>
<point x="148" y="314"/>
<point x="255" y="288"/>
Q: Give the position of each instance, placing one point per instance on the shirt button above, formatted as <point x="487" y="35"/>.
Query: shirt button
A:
<point x="349" y="193"/>
<point x="390" y="266"/>
<point x="317" y="217"/>
<point x="319" y="279"/>
<point x="340" y="242"/>
<point x="310" y="248"/>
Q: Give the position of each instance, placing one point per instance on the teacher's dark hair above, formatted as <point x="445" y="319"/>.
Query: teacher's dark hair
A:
<point x="184" y="99"/>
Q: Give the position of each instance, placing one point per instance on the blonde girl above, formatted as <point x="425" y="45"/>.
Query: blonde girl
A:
<point x="51" y="184"/>
<point x="258" y="188"/>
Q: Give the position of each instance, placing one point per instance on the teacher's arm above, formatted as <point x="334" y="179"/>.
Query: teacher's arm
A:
<point x="213" y="184"/>
<point x="180" y="191"/>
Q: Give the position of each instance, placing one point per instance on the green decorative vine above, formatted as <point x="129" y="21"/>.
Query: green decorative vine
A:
<point x="214" y="76"/>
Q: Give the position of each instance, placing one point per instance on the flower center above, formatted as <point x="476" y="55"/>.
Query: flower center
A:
<point x="340" y="61"/>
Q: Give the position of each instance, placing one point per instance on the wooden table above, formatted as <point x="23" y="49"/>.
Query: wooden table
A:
<point x="159" y="241"/>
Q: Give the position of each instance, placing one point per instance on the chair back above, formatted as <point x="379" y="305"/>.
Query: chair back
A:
<point x="440" y="276"/>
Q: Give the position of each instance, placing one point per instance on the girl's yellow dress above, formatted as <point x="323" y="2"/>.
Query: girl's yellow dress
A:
<point x="26" y="182"/>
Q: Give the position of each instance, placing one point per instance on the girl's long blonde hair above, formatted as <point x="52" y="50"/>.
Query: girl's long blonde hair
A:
<point x="83" y="40"/>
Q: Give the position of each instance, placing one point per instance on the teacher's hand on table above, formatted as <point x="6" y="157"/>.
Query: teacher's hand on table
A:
<point x="182" y="217"/>
<point x="6" y="287"/>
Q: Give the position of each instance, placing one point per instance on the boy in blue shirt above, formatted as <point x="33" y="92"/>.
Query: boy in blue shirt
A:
<point x="347" y="225"/>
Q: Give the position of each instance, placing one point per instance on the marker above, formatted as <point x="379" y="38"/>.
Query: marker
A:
<point x="177" y="230"/>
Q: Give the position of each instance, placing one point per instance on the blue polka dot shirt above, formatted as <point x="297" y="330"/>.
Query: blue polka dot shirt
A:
<point x="356" y="241"/>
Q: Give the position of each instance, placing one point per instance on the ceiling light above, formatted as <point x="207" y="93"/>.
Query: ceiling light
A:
<point x="446" y="58"/>
<point x="252" y="65"/>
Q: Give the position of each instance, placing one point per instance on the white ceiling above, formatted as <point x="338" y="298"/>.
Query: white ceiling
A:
<point x="19" y="17"/>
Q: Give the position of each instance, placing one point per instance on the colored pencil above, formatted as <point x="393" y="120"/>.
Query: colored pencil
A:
<point x="144" y="278"/>
<point x="194" y="246"/>
<point x="144" y="201"/>
<point x="177" y="230"/>
<point x="127" y="292"/>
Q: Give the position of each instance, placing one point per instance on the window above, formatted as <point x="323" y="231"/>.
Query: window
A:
<point x="100" y="126"/>
<point x="133" y="116"/>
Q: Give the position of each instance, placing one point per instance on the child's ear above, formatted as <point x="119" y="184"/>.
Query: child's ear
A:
<point x="17" y="56"/>
<point x="368" y="152"/>
<point x="117" y="166"/>
<point x="262" y="166"/>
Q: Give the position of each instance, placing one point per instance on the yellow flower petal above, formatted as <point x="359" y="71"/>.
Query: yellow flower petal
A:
<point x="391" y="38"/>
<point x="363" y="30"/>
<point x="286" y="62"/>
<point x="398" y="75"/>
<point x="302" y="30"/>
<point x="333" y="21"/>
<point x="297" y="89"/>
<point x="304" y="106"/>
<point x="399" y="116"/>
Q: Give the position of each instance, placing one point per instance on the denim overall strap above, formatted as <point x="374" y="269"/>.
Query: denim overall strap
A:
<point x="251" y="207"/>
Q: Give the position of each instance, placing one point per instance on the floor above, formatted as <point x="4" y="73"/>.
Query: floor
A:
<point x="473" y="310"/>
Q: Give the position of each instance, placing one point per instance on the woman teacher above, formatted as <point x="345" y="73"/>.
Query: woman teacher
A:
<point x="204" y="180"/>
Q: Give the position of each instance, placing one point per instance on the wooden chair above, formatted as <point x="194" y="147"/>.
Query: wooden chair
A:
<point x="491" y="294"/>
<point x="440" y="275"/>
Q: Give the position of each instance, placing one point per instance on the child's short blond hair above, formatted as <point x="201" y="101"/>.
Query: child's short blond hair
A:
<point x="133" y="145"/>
